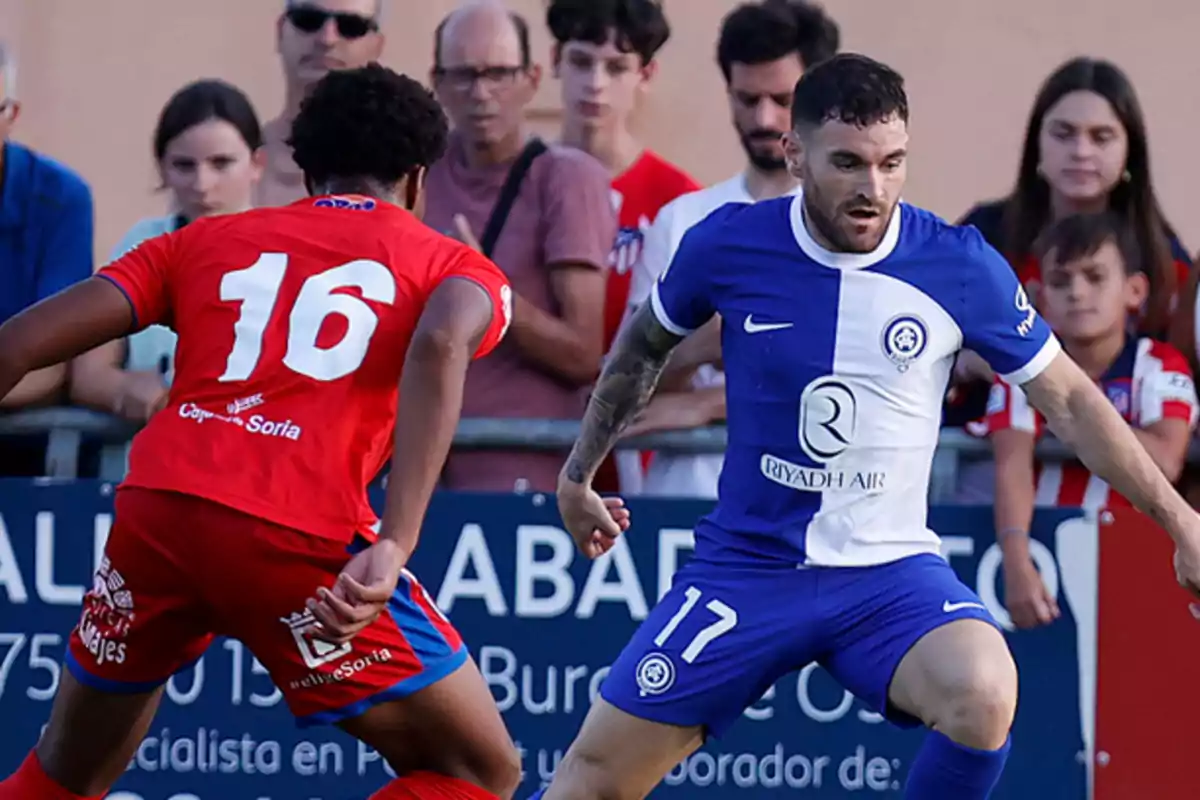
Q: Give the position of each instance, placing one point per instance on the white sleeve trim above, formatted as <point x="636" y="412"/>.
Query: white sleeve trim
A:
<point x="1036" y="365"/>
<point x="663" y="318"/>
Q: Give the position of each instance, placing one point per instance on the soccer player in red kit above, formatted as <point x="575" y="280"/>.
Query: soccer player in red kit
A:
<point x="307" y="334"/>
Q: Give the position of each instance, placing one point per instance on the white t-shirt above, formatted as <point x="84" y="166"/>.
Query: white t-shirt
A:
<point x="669" y="474"/>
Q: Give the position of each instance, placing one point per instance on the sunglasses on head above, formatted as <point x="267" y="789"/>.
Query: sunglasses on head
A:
<point x="310" y="19"/>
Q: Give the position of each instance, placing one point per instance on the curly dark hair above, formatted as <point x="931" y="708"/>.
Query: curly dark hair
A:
<point x="637" y="26"/>
<point x="369" y="122"/>
<point x="849" y="88"/>
<point x="762" y="32"/>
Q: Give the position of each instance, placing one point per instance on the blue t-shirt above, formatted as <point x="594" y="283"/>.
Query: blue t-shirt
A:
<point x="46" y="229"/>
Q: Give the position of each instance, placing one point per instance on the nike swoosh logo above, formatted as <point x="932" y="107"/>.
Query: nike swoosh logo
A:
<point x="759" y="327"/>
<point x="949" y="607"/>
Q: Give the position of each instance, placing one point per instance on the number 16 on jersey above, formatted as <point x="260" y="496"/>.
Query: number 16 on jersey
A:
<point x="257" y="289"/>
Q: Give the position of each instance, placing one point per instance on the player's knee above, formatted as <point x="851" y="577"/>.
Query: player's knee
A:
<point x="584" y="776"/>
<point x="979" y="703"/>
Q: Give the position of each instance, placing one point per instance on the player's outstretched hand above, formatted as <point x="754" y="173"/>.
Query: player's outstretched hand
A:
<point x="1029" y="601"/>
<point x="361" y="593"/>
<point x="594" y="522"/>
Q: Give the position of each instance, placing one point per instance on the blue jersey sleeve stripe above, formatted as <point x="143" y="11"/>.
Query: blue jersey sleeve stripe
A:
<point x="664" y="319"/>
<point x="1036" y="365"/>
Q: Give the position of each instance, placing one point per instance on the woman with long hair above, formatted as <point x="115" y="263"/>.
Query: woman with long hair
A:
<point x="208" y="150"/>
<point x="1085" y="151"/>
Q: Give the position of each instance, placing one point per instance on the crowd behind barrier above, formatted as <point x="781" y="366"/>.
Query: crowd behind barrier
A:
<point x="67" y="428"/>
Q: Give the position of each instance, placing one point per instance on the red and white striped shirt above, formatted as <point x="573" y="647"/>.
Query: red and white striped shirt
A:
<point x="1149" y="382"/>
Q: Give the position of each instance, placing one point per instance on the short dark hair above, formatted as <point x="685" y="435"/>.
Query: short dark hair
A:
<point x="849" y="88"/>
<point x="202" y="101"/>
<point x="519" y="24"/>
<point x="1081" y="235"/>
<point x="369" y="122"/>
<point x="762" y="32"/>
<point x="636" y="26"/>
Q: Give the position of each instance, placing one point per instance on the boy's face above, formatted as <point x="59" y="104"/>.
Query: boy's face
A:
<point x="1090" y="297"/>
<point x="600" y="83"/>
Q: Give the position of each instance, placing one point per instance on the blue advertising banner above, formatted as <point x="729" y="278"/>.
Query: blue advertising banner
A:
<point x="543" y="624"/>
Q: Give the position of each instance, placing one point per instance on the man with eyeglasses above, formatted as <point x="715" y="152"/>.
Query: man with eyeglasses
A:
<point x="312" y="37"/>
<point x="45" y="245"/>
<point x="543" y="213"/>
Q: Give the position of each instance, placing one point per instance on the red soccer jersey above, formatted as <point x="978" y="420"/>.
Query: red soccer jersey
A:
<point x="1149" y="382"/>
<point x="293" y="327"/>
<point x="638" y="193"/>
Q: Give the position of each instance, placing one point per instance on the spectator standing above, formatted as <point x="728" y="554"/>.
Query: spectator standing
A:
<point x="762" y="50"/>
<point x="553" y="242"/>
<point x="46" y="240"/>
<point x="312" y="37"/>
<point x="605" y="57"/>
<point x="208" y="151"/>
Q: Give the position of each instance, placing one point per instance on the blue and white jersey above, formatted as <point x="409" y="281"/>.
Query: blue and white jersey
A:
<point x="836" y="365"/>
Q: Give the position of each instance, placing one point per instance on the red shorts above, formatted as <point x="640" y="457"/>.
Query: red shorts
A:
<point x="179" y="570"/>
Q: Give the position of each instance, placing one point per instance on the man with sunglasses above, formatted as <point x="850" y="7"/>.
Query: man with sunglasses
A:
<point x="45" y="246"/>
<point x="312" y="37"/>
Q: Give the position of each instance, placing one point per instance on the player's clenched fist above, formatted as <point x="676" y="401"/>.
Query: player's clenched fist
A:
<point x="594" y="522"/>
<point x="361" y="593"/>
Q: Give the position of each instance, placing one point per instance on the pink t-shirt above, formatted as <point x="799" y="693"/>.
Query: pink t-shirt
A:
<point x="562" y="215"/>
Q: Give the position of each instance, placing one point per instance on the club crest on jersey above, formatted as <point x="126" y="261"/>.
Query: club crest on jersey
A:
<point x="904" y="339"/>
<point x="655" y="674"/>
<point x="626" y="251"/>
<point x="1119" y="395"/>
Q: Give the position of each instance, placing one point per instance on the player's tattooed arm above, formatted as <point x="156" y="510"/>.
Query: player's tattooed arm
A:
<point x="624" y="387"/>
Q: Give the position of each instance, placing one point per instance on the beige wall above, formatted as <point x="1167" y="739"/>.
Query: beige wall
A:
<point x="93" y="84"/>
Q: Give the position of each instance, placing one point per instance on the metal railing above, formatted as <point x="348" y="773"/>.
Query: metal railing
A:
<point x="68" y="427"/>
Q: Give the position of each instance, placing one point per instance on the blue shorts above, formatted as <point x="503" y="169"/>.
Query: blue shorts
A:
<point x="724" y="634"/>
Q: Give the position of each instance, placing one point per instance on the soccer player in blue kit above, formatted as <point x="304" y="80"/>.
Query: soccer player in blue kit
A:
<point x="843" y="310"/>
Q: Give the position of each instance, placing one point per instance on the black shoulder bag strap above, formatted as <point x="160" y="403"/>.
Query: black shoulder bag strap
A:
<point x="508" y="194"/>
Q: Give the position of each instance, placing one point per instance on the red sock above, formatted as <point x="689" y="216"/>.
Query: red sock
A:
<point x="31" y="782"/>
<point x="426" y="786"/>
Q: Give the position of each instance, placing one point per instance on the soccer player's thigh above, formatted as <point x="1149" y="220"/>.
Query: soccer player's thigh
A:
<point x="714" y="644"/>
<point x="919" y="646"/>
<point x="141" y="623"/>
<point x="405" y="685"/>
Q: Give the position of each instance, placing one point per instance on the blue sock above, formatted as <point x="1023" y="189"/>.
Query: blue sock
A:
<point x="537" y="795"/>
<point x="944" y="770"/>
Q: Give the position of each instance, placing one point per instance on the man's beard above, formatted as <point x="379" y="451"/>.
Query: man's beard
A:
<point x="764" y="162"/>
<point x="825" y="225"/>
